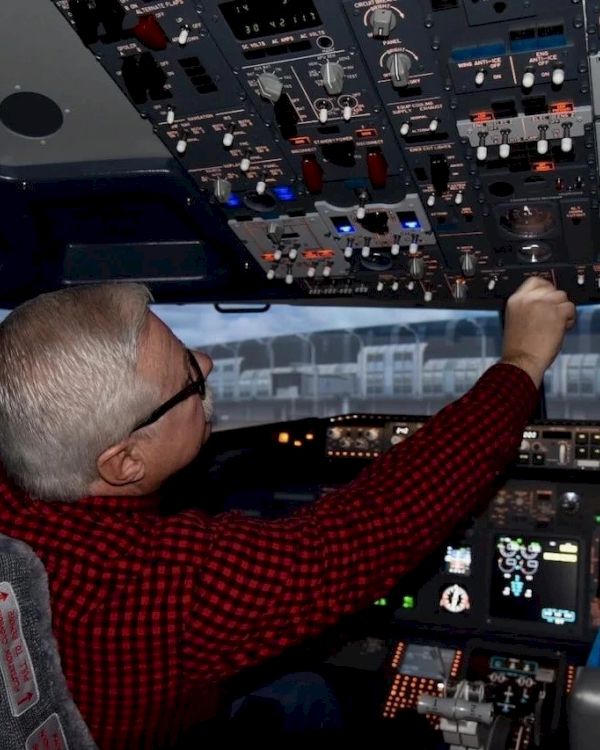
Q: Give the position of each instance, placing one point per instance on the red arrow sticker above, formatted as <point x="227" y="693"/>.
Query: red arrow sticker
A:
<point x="48" y="736"/>
<point x="16" y="666"/>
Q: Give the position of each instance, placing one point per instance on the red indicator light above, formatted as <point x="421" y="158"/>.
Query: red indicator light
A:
<point x="150" y="33"/>
<point x="482" y="117"/>
<point x="561" y="108"/>
<point x="366" y="133"/>
<point x="318" y="254"/>
<point x="300" y="140"/>
<point x="543" y="166"/>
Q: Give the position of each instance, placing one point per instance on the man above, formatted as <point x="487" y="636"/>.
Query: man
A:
<point x="100" y="403"/>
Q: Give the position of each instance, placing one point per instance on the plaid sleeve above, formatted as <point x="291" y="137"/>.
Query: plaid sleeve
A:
<point x="265" y="585"/>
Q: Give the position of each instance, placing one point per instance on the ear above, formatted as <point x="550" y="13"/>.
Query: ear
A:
<point x="121" y="464"/>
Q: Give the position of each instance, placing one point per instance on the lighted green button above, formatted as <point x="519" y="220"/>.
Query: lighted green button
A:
<point x="381" y="602"/>
<point x="597" y="519"/>
<point x="408" y="602"/>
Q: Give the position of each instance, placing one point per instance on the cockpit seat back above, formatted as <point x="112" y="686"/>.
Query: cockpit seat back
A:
<point x="584" y="710"/>
<point x="36" y="708"/>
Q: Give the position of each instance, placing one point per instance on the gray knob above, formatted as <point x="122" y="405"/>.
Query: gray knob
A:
<point x="468" y="263"/>
<point x="270" y="86"/>
<point x="459" y="290"/>
<point x="398" y="65"/>
<point x="222" y="190"/>
<point x="383" y="21"/>
<point x="416" y="268"/>
<point x="274" y="232"/>
<point x="332" y="74"/>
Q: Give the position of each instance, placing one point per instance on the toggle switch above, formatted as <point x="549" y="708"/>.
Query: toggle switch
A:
<point x="184" y="35"/>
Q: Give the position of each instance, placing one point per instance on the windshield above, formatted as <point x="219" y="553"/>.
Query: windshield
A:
<point x="291" y="362"/>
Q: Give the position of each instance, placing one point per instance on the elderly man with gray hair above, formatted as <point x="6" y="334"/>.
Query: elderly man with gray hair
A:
<point x="100" y="403"/>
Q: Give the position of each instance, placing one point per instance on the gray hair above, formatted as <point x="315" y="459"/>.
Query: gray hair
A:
<point x="69" y="386"/>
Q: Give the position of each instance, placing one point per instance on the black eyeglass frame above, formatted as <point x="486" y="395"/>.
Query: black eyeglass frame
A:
<point x="198" y="386"/>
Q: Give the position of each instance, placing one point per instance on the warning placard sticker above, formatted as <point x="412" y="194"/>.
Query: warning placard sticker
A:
<point x="48" y="736"/>
<point x="16" y="666"/>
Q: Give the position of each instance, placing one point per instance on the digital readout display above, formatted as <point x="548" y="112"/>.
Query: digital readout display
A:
<point x="249" y="19"/>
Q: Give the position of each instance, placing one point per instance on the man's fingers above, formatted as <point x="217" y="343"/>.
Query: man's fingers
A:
<point x="536" y="282"/>
<point x="569" y="311"/>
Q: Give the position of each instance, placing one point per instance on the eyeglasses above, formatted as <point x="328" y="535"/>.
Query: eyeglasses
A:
<point x="198" y="386"/>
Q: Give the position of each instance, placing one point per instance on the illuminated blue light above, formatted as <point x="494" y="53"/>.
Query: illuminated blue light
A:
<point x="346" y="229"/>
<point x="284" y="193"/>
<point x="234" y="201"/>
<point x="411" y="224"/>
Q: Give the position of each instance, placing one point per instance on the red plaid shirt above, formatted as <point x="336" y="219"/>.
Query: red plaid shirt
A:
<point x="149" y="611"/>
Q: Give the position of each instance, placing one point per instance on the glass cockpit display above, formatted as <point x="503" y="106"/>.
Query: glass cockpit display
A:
<point x="534" y="579"/>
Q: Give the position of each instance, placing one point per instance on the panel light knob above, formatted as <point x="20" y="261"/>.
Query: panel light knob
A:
<point x="383" y="20"/>
<point x="398" y="65"/>
<point x="170" y="116"/>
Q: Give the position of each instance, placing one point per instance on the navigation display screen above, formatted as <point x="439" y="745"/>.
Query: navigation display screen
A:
<point x="249" y="19"/>
<point x="535" y="579"/>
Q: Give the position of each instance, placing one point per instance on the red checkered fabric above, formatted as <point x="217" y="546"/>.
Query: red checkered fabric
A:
<point x="150" y="610"/>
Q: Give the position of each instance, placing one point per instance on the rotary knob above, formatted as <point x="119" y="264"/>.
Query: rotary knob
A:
<point x="222" y="190"/>
<point x="459" y="290"/>
<point x="332" y="74"/>
<point x="398" y="64"/>
<point x="468" y="264"/>
<point x="416" y="268"/>
<point x="383" y="20"/>
<point x="270" y="86"/>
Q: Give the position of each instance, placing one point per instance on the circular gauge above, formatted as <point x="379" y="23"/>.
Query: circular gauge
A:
<point x="535" y="251"/>
<point x="528" y="221"/>
<point x="455" y="599"/>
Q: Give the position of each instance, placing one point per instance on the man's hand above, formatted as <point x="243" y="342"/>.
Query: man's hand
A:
<point x="537" y="318"/>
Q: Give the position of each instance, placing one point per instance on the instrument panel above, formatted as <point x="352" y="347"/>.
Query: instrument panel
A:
<point x="390" y="153"/>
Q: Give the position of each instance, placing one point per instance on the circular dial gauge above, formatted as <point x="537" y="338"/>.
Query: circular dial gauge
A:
<point x="528" y="221"/>
<point x="455" y="599"/>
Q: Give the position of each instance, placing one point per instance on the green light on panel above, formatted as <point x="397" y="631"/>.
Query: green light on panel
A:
<point x="381" y="602"/>
<point x="408" y="602"/>
<point x="597" y="519"/>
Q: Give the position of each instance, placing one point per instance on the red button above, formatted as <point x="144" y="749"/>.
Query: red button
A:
<point x="150" y="33"/>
